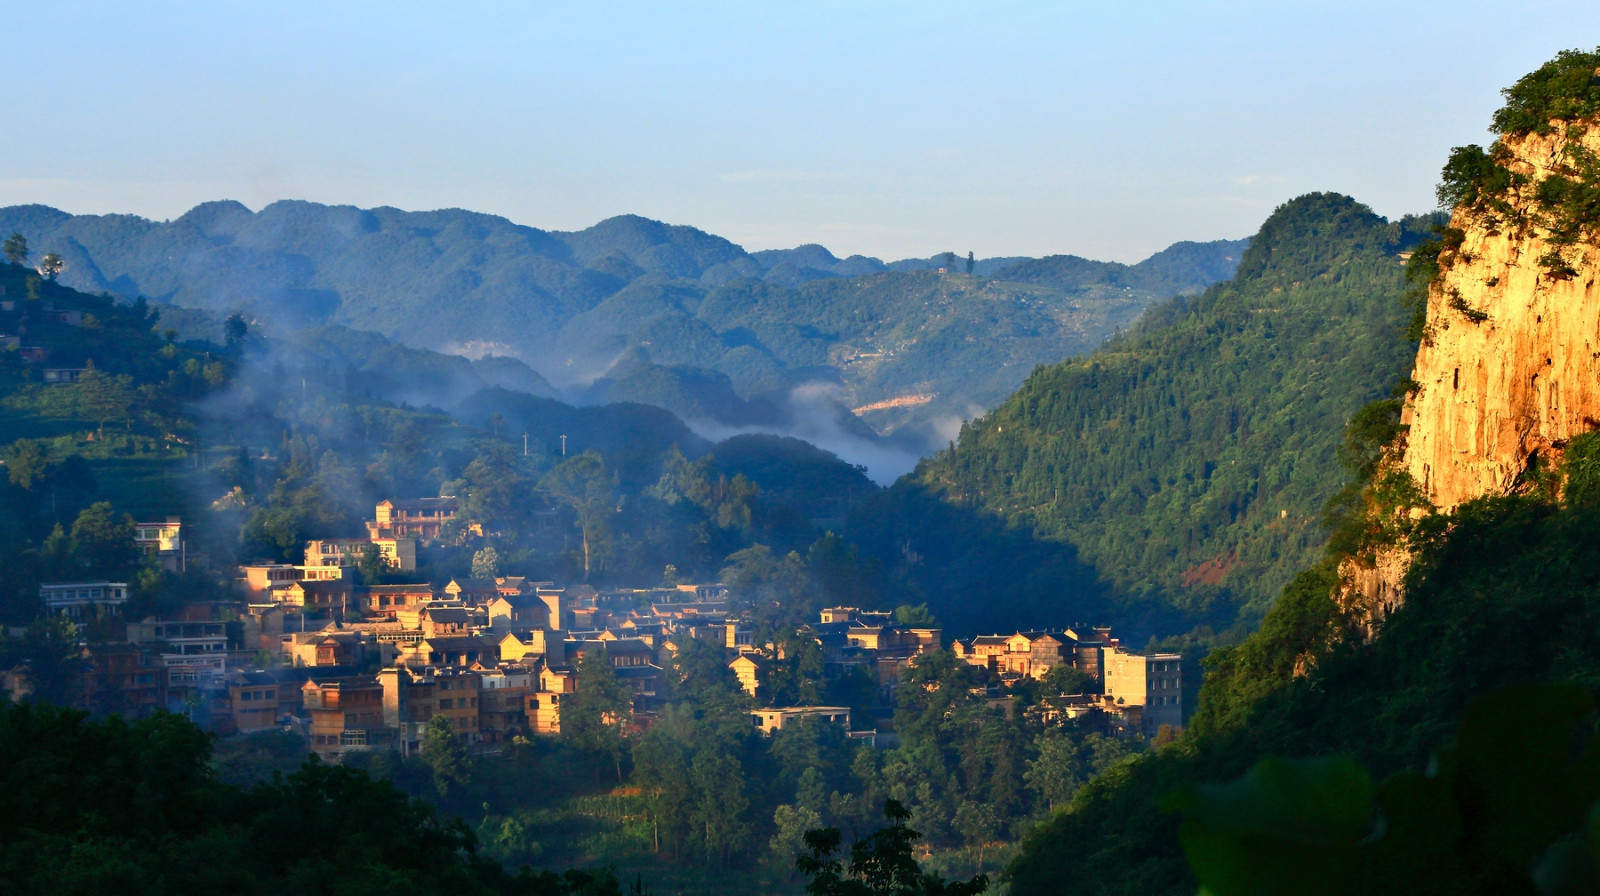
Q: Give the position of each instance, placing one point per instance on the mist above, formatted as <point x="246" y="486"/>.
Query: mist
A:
<point x="814" y="411"/>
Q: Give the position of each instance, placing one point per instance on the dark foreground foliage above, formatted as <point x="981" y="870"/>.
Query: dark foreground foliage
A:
<point x="1510" y="807"/>
<point x="1508" y="593"/>
<point x="132" y="807"/>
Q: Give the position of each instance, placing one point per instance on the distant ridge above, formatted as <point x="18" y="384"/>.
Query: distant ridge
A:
<point x="686" y="309"/>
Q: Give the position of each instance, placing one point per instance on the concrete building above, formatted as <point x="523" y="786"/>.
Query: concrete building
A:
<point x="774" y="718"/>
<point x="1154" y="682"/>
<point x="84" y="600"/>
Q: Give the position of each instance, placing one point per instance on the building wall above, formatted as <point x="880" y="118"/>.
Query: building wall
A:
<point x="1154" y="682"/>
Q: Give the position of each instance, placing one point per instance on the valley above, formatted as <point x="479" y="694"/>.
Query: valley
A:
<point x="367" y="550"/>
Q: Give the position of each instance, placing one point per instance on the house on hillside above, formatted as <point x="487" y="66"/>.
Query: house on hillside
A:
<point x="772" y="719"/>
<point x="162" y="541"/>
<point x="452" y="650"/>
<point x="386" y="601"/>
<point x="346" y="715"/>
<point x="472" y="592"/>
<point x="1153" y="682"/>
<point x="412" y="699"/>
<point x="395" y="553"/>
<point x="537" y="643"/>
<point x="329" y="596"/>
<point x="752" y="670"/>
<point x="84" y="600"/>
<point x="422" y="519"/>
<point x="514" y="611"/>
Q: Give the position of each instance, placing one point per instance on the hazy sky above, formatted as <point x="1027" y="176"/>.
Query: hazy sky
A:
<point x="891" y="129"/>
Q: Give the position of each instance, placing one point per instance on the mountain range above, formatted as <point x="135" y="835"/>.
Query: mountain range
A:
<point x="634" y="309"/>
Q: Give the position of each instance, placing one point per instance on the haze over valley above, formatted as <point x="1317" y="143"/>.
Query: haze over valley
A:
<point x="375" y="521"/>
<point x="838" y="351"/>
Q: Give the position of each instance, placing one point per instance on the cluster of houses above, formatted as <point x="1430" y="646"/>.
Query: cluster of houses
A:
<point x="307" y="648"/>
<point x="1135" y="692"/>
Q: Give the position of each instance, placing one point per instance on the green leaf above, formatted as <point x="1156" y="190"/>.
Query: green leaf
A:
<point x="1288" y="826"/>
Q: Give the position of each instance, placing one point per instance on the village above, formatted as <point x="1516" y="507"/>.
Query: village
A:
<point x="350" y="667"/>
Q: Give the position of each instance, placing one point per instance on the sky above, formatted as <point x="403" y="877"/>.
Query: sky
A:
<point x="887" y="129"/>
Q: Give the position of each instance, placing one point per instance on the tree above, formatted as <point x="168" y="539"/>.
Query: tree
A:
<point x="105" y="397"/>
<point x="445" y="755"/>
<point x="790" y="824"/>
<point x="661" y="772"/>
<point x="50" y="266"/>
<point x="917" y="616"/>
<point x="881" y="864"/>
<point x="370" y="564"/>
<point x="235" y="329"/>
<point x="1064" y="678"/>
<point x="16" y="248"/>
<point x="978" y="823"/>
<point x="597" y="714"/>
<point x="104" y="543"/>
<point x="486" y="563"/>
<point x="719" y="802"/>
<point x="584" y="484"/>
<point x="971" y="263"/>
<point x="26" y="463"/>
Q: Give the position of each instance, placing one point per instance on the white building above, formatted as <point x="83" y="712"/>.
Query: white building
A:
<point x="84" y="600"/>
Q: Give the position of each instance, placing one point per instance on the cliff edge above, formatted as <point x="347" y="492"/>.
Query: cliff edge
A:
<point x="1509" y="364"/>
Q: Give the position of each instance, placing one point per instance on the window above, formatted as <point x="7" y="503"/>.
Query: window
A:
<point x="445" y="703"/>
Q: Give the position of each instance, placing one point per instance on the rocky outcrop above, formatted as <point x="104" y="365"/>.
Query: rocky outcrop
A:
<point x="1509" y="368"/>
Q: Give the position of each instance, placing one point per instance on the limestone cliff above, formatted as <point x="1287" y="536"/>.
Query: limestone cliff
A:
<point x="1509" y="366"/>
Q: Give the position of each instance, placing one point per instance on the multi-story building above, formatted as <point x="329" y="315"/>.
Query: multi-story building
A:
<point x="124" y="679"/>
<point x="1153" y="681"/>
<point x="395" y="553"/>
<point x="265" y="582"/>
<point x="192" y="650"/>
<point x="84" y="600"/>
<point x="387" y="601"/>
<point x="346" y="715"/>
<point x="256" y="700"/>
<point x="419" y="518"/>
<point x="163" y="541"/>
<point x="411" y="699"/>
<point x="333" y="596"/>
<point x="503" y="702"/>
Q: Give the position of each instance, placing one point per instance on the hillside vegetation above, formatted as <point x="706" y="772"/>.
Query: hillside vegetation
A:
<point x="1177" y="473"/>
<point x="1500" y="593"/>
<point x="707" y="330"/>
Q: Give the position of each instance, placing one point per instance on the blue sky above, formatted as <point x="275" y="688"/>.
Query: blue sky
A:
<point x="888" y="129"/>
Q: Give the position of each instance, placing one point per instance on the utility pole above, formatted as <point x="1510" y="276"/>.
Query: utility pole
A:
<point x="563" y="446"/>
<point x="524" y="444"/>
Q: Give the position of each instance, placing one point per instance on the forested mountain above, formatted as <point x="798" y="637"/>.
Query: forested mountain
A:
<point x="1177" y="473"/>
<point x="704" y="328"/>
<point x="1493" y="589"/>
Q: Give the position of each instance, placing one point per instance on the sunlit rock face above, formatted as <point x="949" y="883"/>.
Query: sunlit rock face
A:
<point x="1522" y="380"/>
<point x="1509" y="369"/>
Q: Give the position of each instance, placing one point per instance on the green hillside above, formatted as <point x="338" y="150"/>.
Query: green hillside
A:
<point x="570" y="305"/>
<point x="1179" y="470"/>
<point x="1502" y="593"/>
